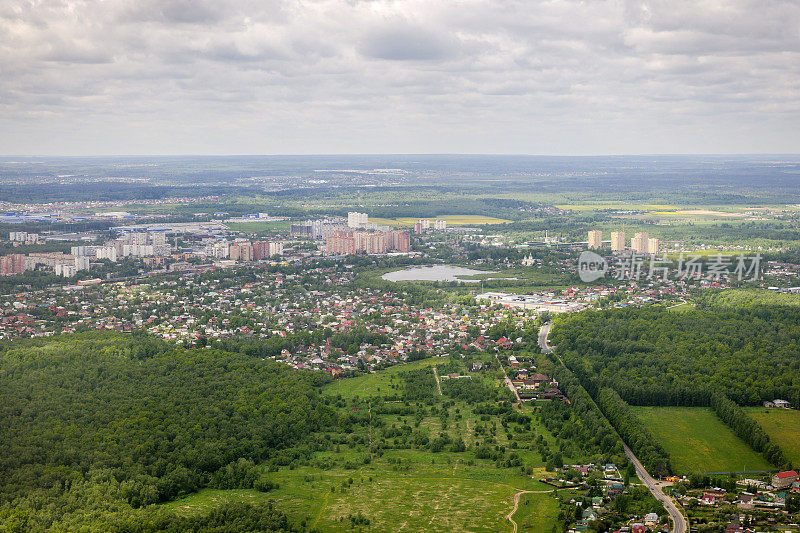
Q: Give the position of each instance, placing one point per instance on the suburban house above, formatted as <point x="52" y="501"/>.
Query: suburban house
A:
<point x="713" y="496"/>
<point x="784" y="480"/>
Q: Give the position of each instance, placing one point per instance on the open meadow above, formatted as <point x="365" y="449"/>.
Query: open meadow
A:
<point x="783" y="428"/>
<point x="399" y="488"/>
<point x="697" y="441"/>
<point x="437" y="494"/>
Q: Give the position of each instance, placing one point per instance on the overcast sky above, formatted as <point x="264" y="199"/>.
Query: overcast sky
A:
<point x="349" y="76"/>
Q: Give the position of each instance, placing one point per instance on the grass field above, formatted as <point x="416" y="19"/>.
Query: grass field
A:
<point x="783" y="428"/>
<point x="379" y="383"/>
<point x="536" y="513"/>
<point x="259" y="227"/>
<point x="406" y="489"/>
<point x="697" y="441"/>
<point x="452" y="220"/>
<point x="402" y="490"/>
<point x="438" y="497"/>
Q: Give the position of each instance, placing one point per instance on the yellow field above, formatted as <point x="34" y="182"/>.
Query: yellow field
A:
<point x="452" y="220"/>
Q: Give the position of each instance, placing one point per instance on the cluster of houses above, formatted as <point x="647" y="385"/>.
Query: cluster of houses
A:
<point x="612" y="486"/>
<point x="194" y="309"/>
<point x="536" y="386"/>
<point x="755" y="493"/>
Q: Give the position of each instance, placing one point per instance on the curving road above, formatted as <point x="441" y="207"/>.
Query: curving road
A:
<point x="678" y="521"/>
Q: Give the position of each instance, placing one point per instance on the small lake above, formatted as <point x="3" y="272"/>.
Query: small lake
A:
<point x="434" y="273"/>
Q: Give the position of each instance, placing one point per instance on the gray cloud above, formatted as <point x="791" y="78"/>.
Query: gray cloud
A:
<point x="401" y="41"/>
<point x="309" y="76"/>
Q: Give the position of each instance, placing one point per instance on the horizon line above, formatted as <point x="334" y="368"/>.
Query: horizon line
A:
<point x="415" y="154"/>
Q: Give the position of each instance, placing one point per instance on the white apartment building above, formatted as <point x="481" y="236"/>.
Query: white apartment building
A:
<point x="356" y="220"/>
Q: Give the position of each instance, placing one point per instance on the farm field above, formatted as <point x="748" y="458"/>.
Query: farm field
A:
<point x="783" y="428"/>
<point x="452" y="220"/>
<point x="698" y="441"/>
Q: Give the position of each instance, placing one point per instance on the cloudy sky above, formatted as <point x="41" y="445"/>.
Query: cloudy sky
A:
<point x="377" y="76"/>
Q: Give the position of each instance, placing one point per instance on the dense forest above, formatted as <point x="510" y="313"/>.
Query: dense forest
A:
<point x="652" y="356"/>
<point x="714" y="356"/>
<point x="105" y="424"/>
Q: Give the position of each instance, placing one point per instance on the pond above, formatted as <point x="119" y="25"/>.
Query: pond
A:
<point x="434" y="273"/>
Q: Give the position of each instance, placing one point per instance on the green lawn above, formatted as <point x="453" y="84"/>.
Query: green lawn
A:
<point x="698" y="441"/>
<point x="783" y="428"/>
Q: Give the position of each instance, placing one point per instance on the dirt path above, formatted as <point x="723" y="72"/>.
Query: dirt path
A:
<point x="438" y="384"/>
<point x="517" y="497"/>
<point x="510" y="385"/>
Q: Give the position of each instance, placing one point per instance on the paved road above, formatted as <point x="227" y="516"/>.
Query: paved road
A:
<point x="678" y="521"/>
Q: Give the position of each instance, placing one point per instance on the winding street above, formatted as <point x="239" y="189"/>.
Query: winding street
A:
<point x="678" y="520"/>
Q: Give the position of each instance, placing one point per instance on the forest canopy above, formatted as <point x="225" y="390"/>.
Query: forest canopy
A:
<point x="652" y="356"/>
<point x="152" y="420"/>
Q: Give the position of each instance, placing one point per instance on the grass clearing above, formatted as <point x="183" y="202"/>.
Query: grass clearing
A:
<point x="698" y="441"/>
<point x="783" y="428"/>
<point x="379" y="383"/>
<point x="536" y="513"/>
<point x="438" y="492"/>
<point x="207" y="499"/>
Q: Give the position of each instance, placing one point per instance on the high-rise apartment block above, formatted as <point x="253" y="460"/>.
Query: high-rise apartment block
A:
<point x="241" y="251"/>
<point x="617" y="241"/>
<point x="356" y="220"/>
<point x="639" y="243"/>
<point x="595" y="239"/>
<point x="12" y="264"/>
<point x="367" y="242"/>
